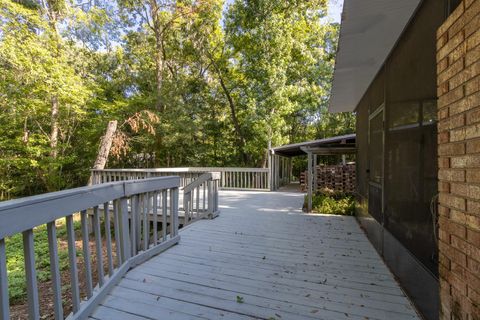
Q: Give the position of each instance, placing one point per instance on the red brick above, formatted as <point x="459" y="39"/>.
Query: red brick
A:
<point x="451" y="149"/>
<point x="473" y="265"/>
<point x="451" y="175"/>
<point x="473" y="146"/>
<point x="442" y="65"/>
<point x="452" y="227"/>
<point x="470" y="102"/>
<point x="443" y="114"/>
<point x="473" y="176"/>
<point x="466" y="190"/>
<point x="473" y="237"/>
<point x="473" y="222"/>
<point x="453" y="202"/>
<point x="458" y="216"/>
<point x="465" y="247"/>
<point x="472" y="131"/>
<point x="443" y="137"/>
<point x="471" y="18"/>
<point x="456" y="14"/>
<point x="458" y="134"/>
<point x="473" y="206"/>
<point x="453" y="42"/>
<point x="473" y="116"/>
<point x="465" y="75"/>
<point x="443" y="186"/>
<point x="453" y="69"/>
<point x="472" y="56"/>
<point x="472" y="41"/>
<point x="452" y="122"/>
<point x="443" y="211"/>
<point x="444" y="162"/>
<point x="451" y="97"/>
<point x="467" y="161"/>
<point x="453" y="254"/>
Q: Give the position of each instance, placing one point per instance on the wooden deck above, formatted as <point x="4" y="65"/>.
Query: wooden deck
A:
<point x="262" y="259"/>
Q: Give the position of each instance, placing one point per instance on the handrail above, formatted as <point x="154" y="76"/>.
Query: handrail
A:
<point x="231" y="178"/>
<point x="130" y="202"/>
<point x="197" y="204"/>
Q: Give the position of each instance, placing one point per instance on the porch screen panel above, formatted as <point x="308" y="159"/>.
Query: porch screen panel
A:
<point x="410" y="181"/>
<point x="375" y="156"/>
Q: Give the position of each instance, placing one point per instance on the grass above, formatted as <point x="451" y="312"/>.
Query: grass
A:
<point x="328" y="201"/>
<point x="15" y="258"/>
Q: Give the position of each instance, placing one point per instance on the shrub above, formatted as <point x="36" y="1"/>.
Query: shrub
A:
<point x="328" y="201"/>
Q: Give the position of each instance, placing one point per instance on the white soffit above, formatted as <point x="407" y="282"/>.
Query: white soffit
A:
<point x="369" y="31"/>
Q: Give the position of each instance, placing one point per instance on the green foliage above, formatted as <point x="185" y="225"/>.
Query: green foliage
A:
<point x="328" y="202"/>
<point x="15" y="258"/>
<point x="191" y="83"/>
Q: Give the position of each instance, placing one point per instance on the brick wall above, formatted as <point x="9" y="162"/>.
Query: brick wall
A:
<point x="458" y="58"/>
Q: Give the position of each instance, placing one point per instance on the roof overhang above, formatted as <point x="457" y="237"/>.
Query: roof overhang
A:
<point x="369" y="31"/>
<point x="334" y="145"/>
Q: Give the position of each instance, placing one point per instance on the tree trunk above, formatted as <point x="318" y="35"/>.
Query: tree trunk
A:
<point x="159" y="63"/>
<point x="54" y="128"/>
<point x="104" y="149"/>
<point x="236" y="123"/>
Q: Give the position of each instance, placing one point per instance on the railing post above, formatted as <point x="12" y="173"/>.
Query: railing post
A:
<point x="211" y="208"/>
<point x="124" y="230"/>
<point x="4" y="303"/>
<point x="173" y="212"/>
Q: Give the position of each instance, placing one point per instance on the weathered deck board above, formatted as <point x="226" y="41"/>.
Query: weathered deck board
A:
<point x="281" y="263"/>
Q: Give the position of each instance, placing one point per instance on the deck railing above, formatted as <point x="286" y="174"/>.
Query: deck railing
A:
<point x="125" y="205"/>
<point x="230" y="178"/>
<point x="200" y="198"/>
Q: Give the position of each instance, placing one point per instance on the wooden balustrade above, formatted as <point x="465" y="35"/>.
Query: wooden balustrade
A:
<point x="230" y="178"/>
<point x="200" y="198"/>
<point x="124" y="205"/>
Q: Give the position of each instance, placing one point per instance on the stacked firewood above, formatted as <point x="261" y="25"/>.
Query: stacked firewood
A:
<point x="339" y="178"/>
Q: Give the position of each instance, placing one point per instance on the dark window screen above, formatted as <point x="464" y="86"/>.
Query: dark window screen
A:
<point x="410" y="183"/>
<point x="375" y="148"/>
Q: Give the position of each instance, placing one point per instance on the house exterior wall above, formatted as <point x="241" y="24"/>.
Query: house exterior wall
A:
<point x="458" y="58"/>
<point x="395" y="209"/>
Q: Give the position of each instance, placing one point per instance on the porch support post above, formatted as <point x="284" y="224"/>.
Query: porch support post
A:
<point x="314" y="172"/>
<point x="270" y="166"/>
<point x="310" y="182"/>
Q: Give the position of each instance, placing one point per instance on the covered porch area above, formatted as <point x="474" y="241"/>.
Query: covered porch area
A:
<point x="281" y="160"/>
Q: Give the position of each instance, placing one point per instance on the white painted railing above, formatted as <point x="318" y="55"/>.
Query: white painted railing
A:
<point x="230" y="178"/>
<point x="200" y="198"/>
<point x="125" y="206"/>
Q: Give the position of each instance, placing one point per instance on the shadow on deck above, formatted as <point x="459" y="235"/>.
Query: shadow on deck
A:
<point x="262" y="258"/>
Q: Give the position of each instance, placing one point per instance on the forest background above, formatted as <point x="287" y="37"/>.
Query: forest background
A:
<point x="187" y="83"/>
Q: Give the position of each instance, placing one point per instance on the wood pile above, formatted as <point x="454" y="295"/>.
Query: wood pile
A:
<point x="340" y="178"/>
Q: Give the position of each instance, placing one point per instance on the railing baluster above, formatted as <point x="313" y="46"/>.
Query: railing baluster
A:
<point x="198" y="201"/>
<point x="172" y="222"/>
<point x="55" y="270"/>
<point x="146" y="212"/>
<point x="164" y="214"/>
<point x="72" y="257"/>
<point x="204" y="196"/>
<point x="138" y="224"/>
<point x="31" y="275"/>
<point x="98" y="245"/>
<point x="133" y="224"/>
<point x="124" y="232"/>
<point x="116" y="229"/>
<point x="108" y="237"/>
<point x="175" y="210"/>
<point x="86" y="252"/>
<point x="4" y="302"/>
<point x="155" y="218"/>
